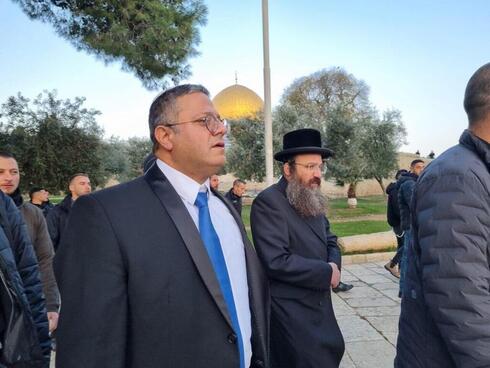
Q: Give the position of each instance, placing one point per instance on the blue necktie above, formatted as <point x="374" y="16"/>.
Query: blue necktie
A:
<point x="213" y="247"/>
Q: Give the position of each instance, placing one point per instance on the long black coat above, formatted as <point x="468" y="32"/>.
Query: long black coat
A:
<point x="57" y="219"/>
<point x="138" y="288"/>
<point x="295" y="252"/>
<point x="445" y="310"/>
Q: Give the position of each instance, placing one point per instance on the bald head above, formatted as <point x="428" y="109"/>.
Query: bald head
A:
<point x="477" y="96"/>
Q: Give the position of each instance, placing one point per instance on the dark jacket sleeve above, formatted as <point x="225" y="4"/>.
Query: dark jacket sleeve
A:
<point x="334" y="254"/>
<point x="393" y="209"/>
<point x="45" y="253"/>
<point x="454" y="231"/>
<point x="52" y="221"/>
<point x="271" y="239"/>
<point x="91" y="275"/>
<point x="28" y="269"/>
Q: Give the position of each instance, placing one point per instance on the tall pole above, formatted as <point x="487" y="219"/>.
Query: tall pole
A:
<point x="269" y="174"/>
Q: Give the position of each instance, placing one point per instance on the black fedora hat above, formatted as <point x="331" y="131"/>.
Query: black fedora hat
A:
<point x="302" y="141"/>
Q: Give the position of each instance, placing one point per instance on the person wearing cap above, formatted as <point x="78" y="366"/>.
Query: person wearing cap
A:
<point x="39" y="197"/>
<point x="301" y="256"/>
<point x="159" y="272"/>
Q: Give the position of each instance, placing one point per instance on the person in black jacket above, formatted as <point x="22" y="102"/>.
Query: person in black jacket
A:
<point x="445" y="309"/>
<point x="37" y="231"/>
<point x="79" y="184"/>
<point x="39" y="197"/>
<point x="405" y="186"/>
<point x="234" y="195"/>
<point x="21" y="281"/>
<point x="393" y="217"/>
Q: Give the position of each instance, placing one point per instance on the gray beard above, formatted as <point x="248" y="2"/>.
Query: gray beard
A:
<point x="306" y="201"/>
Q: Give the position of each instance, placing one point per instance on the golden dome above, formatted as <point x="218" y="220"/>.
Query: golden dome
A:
<point x="237" y="102"/>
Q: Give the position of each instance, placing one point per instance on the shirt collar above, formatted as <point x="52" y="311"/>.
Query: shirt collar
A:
<point x="185" y="187"/>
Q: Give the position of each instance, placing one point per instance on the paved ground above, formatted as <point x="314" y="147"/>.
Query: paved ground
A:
<point x="368" y="316"/>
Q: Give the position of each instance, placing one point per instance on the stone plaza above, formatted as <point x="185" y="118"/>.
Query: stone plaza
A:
<point x="368" y="315"/>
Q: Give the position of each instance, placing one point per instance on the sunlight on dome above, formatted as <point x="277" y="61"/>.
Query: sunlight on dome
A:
<point x="237" y="102"/>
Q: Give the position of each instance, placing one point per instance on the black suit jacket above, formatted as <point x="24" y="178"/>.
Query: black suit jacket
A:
<point x="138" y="289"/>
<point x="295" y="253"/>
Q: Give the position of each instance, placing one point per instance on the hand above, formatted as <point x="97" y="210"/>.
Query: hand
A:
<point x="335" y="280"/>
<point x="53" y="320"/>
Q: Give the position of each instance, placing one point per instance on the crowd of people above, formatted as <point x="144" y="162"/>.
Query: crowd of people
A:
<point x="159" y="271"/>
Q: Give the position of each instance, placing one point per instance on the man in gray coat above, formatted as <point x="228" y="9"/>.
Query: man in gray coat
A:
<point x="445" y="311"/>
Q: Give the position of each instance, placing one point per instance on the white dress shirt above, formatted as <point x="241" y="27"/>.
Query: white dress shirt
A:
<point x="231" y="243"/>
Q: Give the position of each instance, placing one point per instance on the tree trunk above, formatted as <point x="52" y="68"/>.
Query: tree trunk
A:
<point x="351" y="195"/>
<point x="351" y="191"/>
<point x="380" y="182"/>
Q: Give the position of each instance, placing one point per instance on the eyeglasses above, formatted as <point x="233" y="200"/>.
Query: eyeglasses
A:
<point x="213" y="123"/>
<point x="313" y="167"/>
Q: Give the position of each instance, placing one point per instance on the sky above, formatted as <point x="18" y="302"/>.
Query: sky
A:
<point x="416" y="56"/>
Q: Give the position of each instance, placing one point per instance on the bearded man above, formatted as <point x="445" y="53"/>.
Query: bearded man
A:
<point x="301" y="256"/>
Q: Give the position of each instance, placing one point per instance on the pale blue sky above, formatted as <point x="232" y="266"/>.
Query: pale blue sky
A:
<point x="416" y="56"/>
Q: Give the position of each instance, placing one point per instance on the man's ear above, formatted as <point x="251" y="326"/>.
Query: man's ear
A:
<point x="287" y="170"/>
<point x="164" y="136"/>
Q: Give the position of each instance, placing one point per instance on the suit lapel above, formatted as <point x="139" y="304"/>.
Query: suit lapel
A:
<point x="316" y="223"/>
<point x="171" y="201"/>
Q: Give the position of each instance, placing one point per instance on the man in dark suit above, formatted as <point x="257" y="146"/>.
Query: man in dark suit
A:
<point x="158" y="272"/>
<point x="301" y="257"/>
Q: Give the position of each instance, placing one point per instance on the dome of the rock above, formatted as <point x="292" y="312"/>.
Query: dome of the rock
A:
<point x="237" y="102"/>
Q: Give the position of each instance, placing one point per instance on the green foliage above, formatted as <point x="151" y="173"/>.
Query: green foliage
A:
<point x="337" y="104"/>
<point x="114" y="158"/>
<point x="316" y="96"/>
<point x="344" y="135"/>
<point x="52" y="139"/>
<point x="137" y="150"/>
<point x="123" y="159"/>
<point x="380" y="144"/>
<point x="151" y="38"/>
<point x="245" y="157"/>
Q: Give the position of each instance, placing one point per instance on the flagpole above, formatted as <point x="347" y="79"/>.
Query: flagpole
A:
<point x="269" y="174"/>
